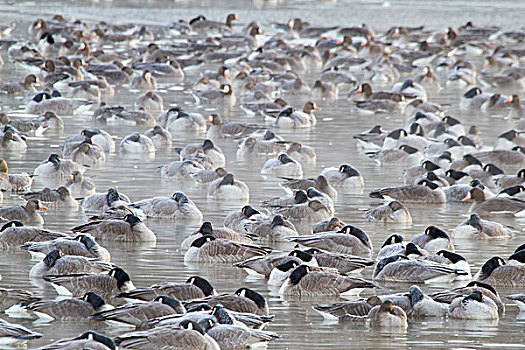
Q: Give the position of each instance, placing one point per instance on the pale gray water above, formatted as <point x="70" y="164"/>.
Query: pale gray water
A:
<point x="295" y="321"/>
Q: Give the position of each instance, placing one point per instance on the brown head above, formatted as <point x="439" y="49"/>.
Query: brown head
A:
<point x="309" y="107"/>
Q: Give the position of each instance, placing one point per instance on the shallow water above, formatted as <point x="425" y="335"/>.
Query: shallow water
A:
<point x="295" y="321"/>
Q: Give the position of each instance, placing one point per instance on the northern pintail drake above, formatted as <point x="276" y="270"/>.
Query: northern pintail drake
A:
<point x="394" y="211"/>
<point x="177" y="207"/>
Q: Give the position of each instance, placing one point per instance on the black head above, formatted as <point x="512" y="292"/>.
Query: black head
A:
<point x="192" y="326"/>
<point x="513" y="190"/>
<point x="358" y="233"/>
<point x="222" y="314"/>
<point x="54" y="159"/>
<point x="453" y="257"/>
<point x="171" y="302"/>
<point x="269" y="135"/>
<point x="227" y="180"/>
<point x="86" y="240"/>
<point x="313" y="251"/>
<point x="206" y="228"/>
<point x="94" y="299"/>
<point x="455" y="174"/>
<point x="112" y="196"/>
<point x="450" y="142"/>
<point x="491" y="264"/>
<point x="493" y="170"/>
<point x="519" y="256"/>
<point x="257" y="298"/>
<point x="472" y="92"/>
<point x="300" y="197"/>
<point x="428" y="183"/>
<point x="476" y="295"/>
<point x="287" y="266"/>
<point x="285" y="159"/>
<point x="120" y="275"/>
<point x="304" y="256"/>
<point x="520" y="248"/>
<point x="471" y="160"/>
<point x="51" y="258"/>
<point x="132" y="219"/>
<point x="249" y="211"/>
<point x="199" y="307"/>
<point x="397" y="134"/>
<point x="298" y="274"/>
<point x="180" y="197"/>
<point x="416" y="129"/>
<point x="41" y="96"/>
<point x="451" y="121"/>
<point x="348" y="170"/>
<point x="431" y="176"/>
<point x="509" y="135"/>
<point x="482" y="285"/>
<point x="286" y="112"/>
<point x="406" y="84"/>
<point x="411" y="248"/>
<point x="312" y="193"/>
<point x="420" y="115"/>
<point x="475" y="221"/>
<point x="199" y="242"/>
<point x="376" y="130"/>
<point x="393" y="239"/>
<point x="277" y="221"/>
<point x="408" y="149"/>
<point x="430" y="166"/>
<point x="203" y="284"/>
<point x="99" y="338"/>
<point x="388" y="260"/>
<point x="521" y="173"/>
<point x="446" y="155"/>
<point x="415" y="294"/>
<point x="10" y="224"/>
<point x="435" y="232"/>
<point x="207" y="145"/>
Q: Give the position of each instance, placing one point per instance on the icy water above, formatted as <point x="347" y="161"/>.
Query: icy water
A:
<point x="298" y="325"/>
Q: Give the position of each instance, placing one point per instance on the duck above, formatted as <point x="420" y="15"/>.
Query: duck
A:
<point x="80" y="186"/>
<point x="319" y="183"/>
<point x="394" y="211"/>
<point x="137" y="143"/>
<point x="387" y="315"/>
<point x="176" y="207"/>
<point x="223" y="129"/>
<point x="506" y="206"/>
<point x="106" y="285"/>
<point x="128" y="229"/>
<point x="13" y="182"/>
<point x="81" y="245"/>
<point x="59" y="198"/>
<point x="89" y="339"/>
<point x="55" y="264"/>
<point x="26" y="214"/>
<point x="476" y="228"/>
<point x="488" y="291"/>
<point x="144" y="81"/>
<point x="433" y="240"/>
<point x="475" y="306"/>
<point x="12" y="141"/>
<point x="345" y="176"/>
<point x="150" y="101"/>
<point x="223" y="232"/>
<point x="161" y="137"/>
<point x="194" y="287"/>
<point x="68" y="309"/>
<point x="423" y="192"/>
<point x="99" y="202"/>
<point x="228" y="188"/>
<point x="290" y="118"/>
<point x="208" y="249"/>
<point x="349" y="240"/>
<point x="498" y="273"/>
<point x="306" y="283"/>
<point x="282" y="166"/>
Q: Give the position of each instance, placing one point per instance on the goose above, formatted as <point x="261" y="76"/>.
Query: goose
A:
<point x="138" y="314"/>
<point x="10" y="140"/>
<point x="299" y="197"/>
<point x="176" y="119"/>
<point x="45" y="102"/>
<point x="89" y="340"/>
<point x="206" y="176"/>
<point x="150" y="101"/>
<point x="201" y="24"/>
<point x="105" y="285"/>
<point x="475" y="306"/>
<point x="14" y="234"/>
<point x="81" y="245"/>
<point x="224" y="95"/>
<point x="333" y="224"/>
<point x="398" y="268"/>
<point x="136" y="143"/>
<point x="381" y="106"/>
<point x="56" y="167"/>
<point x="511" y="180"/>
<point x="345" y="176"/>
<point x="228" y="188"/>
<point x="195" y="287"/>
<point x="97" y="137"/>
<point x="412" y="174"/>
<point x="498" y="273"/>
<point x="433" y="240"/>
<point x="209" y="148"/>
<point x="243" y="300"/>
<point x="56" y="264"/>
<point x="20" y="88"/>
<point x="26" y="214"/>
<point x="11" y="299"/>
<point x="224" y="129"/>
<point x="171" y="69"/>
<point x="161" y="137"/>
<point x="387" y="315"/>
<point x="349" y="240"/>
<point x="519" y="299"/>
<point x="230" y="336"/>
<point x="181" y="169"/>
<point x="208" y="249"/>
<point x="69" y="309"/>
<point x="344" y="263"/>
<point x="290" y="118"/>
<point x="424" y="192"/>
<point x="302" y="153"/>
<point x="80" y="186"/>
<point x="393" y="246"/>
<point x="59" y="198"/>
<point x="282" y="166"/>
<point x="144" y="81"/>
<point x="476" y="228"/>
<point x="264" y="266"/>
<point x="188" y="335"/>
<point x="224" y="233"/>
<point x="341" y="311"/>
<point x="320" y="183"/>
<point x="98" y="202"/>
<point x="88" y="154"/>
<point x="176" y="207"/>
<point x="128" y="229"/>
<point x="251" y="145"/>
<point x="238" y="219"/>
<point x="271" y="230"/>
<point x="11" y="333"/>
<point x="493" y="206"/>
<point x="422" y="305"/>
<point x="13" y="182"/>
<point x="305" y="283"/>
<point x="404" y="155"/>
<point x="394" y="211"/>
<point x="371" y="139"/>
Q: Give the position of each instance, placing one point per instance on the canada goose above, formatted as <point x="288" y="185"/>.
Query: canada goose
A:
<point x="177" y="207"/>
<point x="128" y="229"/>
<point x="88" y="154"/>
<point x="433" y="240"/>
<point x="302" y="153"/>
<point x="181" y="169"/>
<point x="423" y="305"/>
<point x="59" y="198"/>
<point x="342" y="262"/>
<point x="106" y="285"/>
<point x="56" y="167"/>
<point x="405" y="154"/>
<point x="98" y="202"/>
<point x="188" y="335"/>
<point x="176" y="119"/>
<point x="161" y="137"/>
<point x="291" y="118"/>
<point x="311" y="210"/>
<point x="275" y="230"/>
<point x="230" y="336"/>
<point x="392" y="212"/>
<point x="349" y="240"/>
<point x="209" y="148"/>
<point x="69" y="309"/>
<point x="138" y="314"/>
<point x="320" y="183"/>
<point x="387" y="315"/>
<point x="136" y="143"/>
<point x="282" y="166"/>
<point x="26" y="214"/>
<point x="450" y="295"/>
<point x="303" y="282"/>
<point x="14" y="234"/>
<point x="338" y="311"/>
<point x="334" y="224"/>
<point x="13" y="182"/>
<point x="228" y="188"/>
<point x="195" y="287"/>
<point x="243" y="300"/>
<point x="150" y="101"/>
<point x="498" y="273"/>
<point x="299" y="197"/>
<point x="223" y="129"/>
<point x="210" y="249"/>
<point x="494" y="206"/>
<point x="55" y="264"/>
<point x="80" y="186"/>
<point x="87" y="340"/>
<point x="10" y="140"/>
<point x="238" y="219"/>
<point x="263" y="266"/>
<point x="11" y="297"/>
<point x="475" y="306"/>
<point x="424" y="192"/>
<point x="222" y="95"/>
<point x="393" y="246"/>
<point x="224" y="233"/>
<point x="476" y="228"/>
<point x="14" y="333"/>
<point x="519" y="299"/>
<point x="398" y="268"/>
<point x="81" y="245"/>
<point x="511" y="180"/>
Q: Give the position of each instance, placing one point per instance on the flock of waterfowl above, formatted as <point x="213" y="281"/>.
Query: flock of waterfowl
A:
<point x="74" y="67"/>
